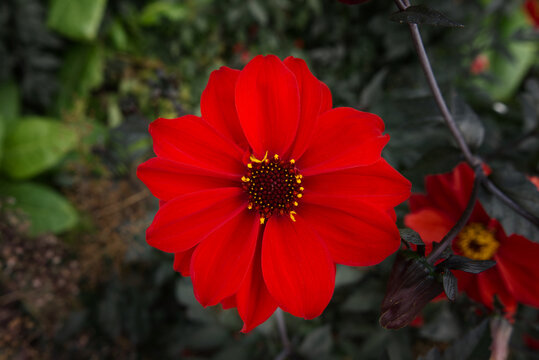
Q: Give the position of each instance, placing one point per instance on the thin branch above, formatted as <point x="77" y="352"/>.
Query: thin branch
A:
<point x="452" y="125"/>
<point x="448" y="238"/>
<point x="510" y="202"/>
<point x="401" y="5"/>
<point x="281" y="325"/>
<point x="433" y="84"/>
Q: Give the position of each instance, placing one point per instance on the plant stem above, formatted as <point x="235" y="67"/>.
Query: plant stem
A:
<point x="448" y="238"/>
<point x="452" y="125"/>
<point x="281" y="325"/>
<point x="433" y="84"/>
<point x="510" y="202"/>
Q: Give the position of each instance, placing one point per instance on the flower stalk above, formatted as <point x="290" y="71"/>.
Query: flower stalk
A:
<point x="471" y="159"/>
<point x="448" y="238"/>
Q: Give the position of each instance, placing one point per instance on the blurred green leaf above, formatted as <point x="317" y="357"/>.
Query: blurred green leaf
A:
<point x="2" y="133"/>
<point x="463" y="348"/>
<point x="78" y="20"/>
<point x="83" y="70"/>
<point x="347" y="275"/>
<point x="258" y="12"/>
<point x="236" y="352"/>
<point x="522" y="191"/>
<point x="118" y="35"/>
<point x="468" y="122"/>
<point x="47" y="210"/>
<point x="35" y="144"/>
<point x="317" y="344"/>
<point x="206" y="338"/>
<point x="154" y="12"/>
<point x="10" y="102"/>
<point x="508" y="72"/>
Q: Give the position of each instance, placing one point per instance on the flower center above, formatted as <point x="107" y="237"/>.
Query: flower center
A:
<point x="273" y="185"/>
<point x="477" y="243"/>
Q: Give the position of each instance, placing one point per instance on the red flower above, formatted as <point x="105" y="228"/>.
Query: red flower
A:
<point x="480" y="64"/>
<point x="532" y="10"/>
<point x="271" y="187"/>
<point x="514" y="278"/>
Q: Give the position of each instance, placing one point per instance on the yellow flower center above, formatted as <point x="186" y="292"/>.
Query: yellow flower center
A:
<point x="273" y="185"/>
<point x="477" y="242"/>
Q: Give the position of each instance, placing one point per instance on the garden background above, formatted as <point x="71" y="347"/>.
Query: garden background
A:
<point x="81" y="80"/>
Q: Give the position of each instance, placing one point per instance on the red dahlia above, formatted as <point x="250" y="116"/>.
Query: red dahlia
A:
<point x="514" y="278"/>
<point x="264" y="193"/>
<point x="532" y="10"/>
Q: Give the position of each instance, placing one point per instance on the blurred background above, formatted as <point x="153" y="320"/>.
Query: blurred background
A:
<point x="81" y="80"/>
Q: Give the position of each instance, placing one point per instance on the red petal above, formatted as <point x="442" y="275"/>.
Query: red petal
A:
<point x="229" y="302"/>
<point x="327" y="101"/>
<point x="431" y="224"/>
<point x="267" y="100"/>
<point x="297" y="267"/>
<point x="167" y="179"/>
<point x="255" y="304"/>
<point x="450" y="193"/>
<point x="484" y="286"/>
<point x="185" y="221"/>
<point x="490" y="283"/>
<point x="221" y="261"/>
<point x="182" y="261"/>
<point x="310" y="95"/>
<point x="218" y="105"/>
<point x="190" y="140"/>
<point x="517" y="262"/>
<point x="417" y="202"/>
<point x="344" y="138"/>
<point x="355" y="233"/>
<point x="378" y="184"/>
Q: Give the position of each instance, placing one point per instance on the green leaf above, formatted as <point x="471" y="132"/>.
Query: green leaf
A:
<point x="2" y="133"/>
<point x="464" y="347"/>
<point x="10" y="102"/>
<point x="207" y="338"/>
<point x="34" y="145"/>
<point x="47" y="210"/>
<point x="420" y="14"/>
<point x="411" y="237"/>
<point x="450" y="285"/>
<point x="154" y="12"/>
<point x="509" y="72"/>
<point x="78" y="20"/>
<point x="82" y="71"/>
<point x="457" y="262"/>
<point x="523" y="192"/>
<point x="317" y="344"/>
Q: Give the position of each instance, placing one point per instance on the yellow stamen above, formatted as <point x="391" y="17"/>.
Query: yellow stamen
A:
<point x="292" y="213"/>
<point x="296" y="203"/>
<point x="250" y="166"/>
<point x="276" y="157"/>
<point x="262" y="220"/>
<point x="292" y="161"/>
<point x="254" y="159"/>
<point x="298" y="181"/>
<point x="245" y="179"/>
<point x="299" y="196"/>
<point x="477" y="242"/>
<point x="249" y="206"/>
<point x="301" y="188"/>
